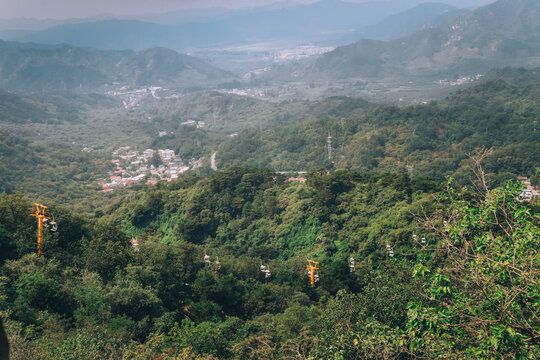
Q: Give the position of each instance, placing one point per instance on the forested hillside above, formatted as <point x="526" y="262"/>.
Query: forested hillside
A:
<point x="63" y="124"/>
<point x="16" y="109"/>
<point x="428" y="140"/>
<point x="229" y="113"/>
<point x="424" y="15"/>
<point x="425" y="140"/>
<point x="57" y="173"/>
<point x="31" y="67"/>
<point x="504" y="33"/>
<point x="49" y="108"/>
<point x="514" y="76"/>
<point x="96" y="294"/>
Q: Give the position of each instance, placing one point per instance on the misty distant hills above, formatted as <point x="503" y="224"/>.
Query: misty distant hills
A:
<point x="327" y="21"/>
<point x="410" y="21"/>
<point x="514" y="76"/>
<point x="15" y="108"/>
<point x="111" y="34"/>
<point x="227" y="112"/>
<point x="505" y="33"/>
<point x="50" y="108"/>
<point x="37" y="67"/>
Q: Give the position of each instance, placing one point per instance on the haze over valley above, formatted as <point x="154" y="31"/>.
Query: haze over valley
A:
<point x="258" y="68"/>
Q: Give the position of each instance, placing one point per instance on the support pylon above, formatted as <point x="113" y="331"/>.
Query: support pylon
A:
<point x="39" y="213"/>
<point x="311" y="267"/>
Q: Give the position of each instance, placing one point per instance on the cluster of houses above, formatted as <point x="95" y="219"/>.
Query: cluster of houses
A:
<point x="461" y="81"/>
<point x="134" y="167"/>
<point x="529" y="192"/>
<point x="198" y="124"/>
<point x="299" y="179"/>
<point x="131" y="97"/>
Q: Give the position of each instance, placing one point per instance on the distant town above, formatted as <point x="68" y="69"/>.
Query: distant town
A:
<point x="461" y="81"/>
<point x="131" y="97"/>
<point x="148" y="166"/>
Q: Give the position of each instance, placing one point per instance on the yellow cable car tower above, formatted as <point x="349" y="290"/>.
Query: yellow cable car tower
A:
<point x="39" y="213"/>
<point x="311" y="267"/>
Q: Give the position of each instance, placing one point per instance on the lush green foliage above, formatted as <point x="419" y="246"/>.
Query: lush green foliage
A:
<point x="428" y="140"/>
<point x="58" y="174"/>
<point x="91" y="279"/>
<point x="93" y="295"/>
<point x="483" y="300"/>
<point x="96" y="295"/>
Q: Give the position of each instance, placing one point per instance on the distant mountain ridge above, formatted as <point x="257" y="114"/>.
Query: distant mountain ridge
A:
<point x="326" y="20"/>
<point x="31" y="67"/>
<point x="505" y="33"/>
<point x="411" y="20"/>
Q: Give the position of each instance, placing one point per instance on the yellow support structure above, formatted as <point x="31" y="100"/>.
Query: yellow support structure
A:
<point x="311" y="267"/>
<point x="39" y="213"/>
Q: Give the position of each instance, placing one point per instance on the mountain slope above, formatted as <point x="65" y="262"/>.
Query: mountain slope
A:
<point x="500" y="34"/>
<point x="429" y="140"/>
<point x="410" y="21"/>
<point x="50" y="108"/>
<point x="37" y="67"/>
<point x="17" y="109"/>
<point x="229" y="113"/>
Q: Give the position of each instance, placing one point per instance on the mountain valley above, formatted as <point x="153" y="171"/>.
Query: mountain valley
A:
<point x="279" y="180"/>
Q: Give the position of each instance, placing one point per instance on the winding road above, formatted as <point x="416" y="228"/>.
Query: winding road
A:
<point x="213" y="161"/>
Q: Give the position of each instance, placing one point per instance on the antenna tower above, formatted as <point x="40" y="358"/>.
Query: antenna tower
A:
<point x="329" y="142"/>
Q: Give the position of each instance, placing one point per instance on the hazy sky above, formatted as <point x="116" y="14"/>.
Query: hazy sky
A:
<point x="62" y="9"/>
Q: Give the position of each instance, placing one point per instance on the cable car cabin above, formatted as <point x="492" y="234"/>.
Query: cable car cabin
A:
<point x="217" y="265"/>
<point x="267" y="273"/>
<point x="206" y="258"/>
